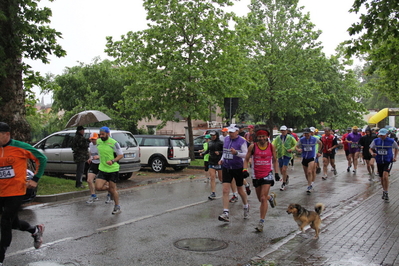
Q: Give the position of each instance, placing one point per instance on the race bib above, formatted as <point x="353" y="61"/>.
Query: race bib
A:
<point x="228" y="156"/>
<point x="307" y="148"/>
<point x="6" y="172"/>
<point x="354" y="145"/>
<point x="382" y="152"/>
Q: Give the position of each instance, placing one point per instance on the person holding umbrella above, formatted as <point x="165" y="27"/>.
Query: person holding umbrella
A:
<point x="80" y="150"/>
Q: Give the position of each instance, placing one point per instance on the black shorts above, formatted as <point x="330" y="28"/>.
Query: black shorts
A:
<point x="347" y="153"/>
<point x="383" y="167"/>
<point x="262" y="181"/>
<point x="305" y="162"/>
<point x="367" y="156"/>
<point x="206" y="166"/>
<point x="329" y="155"/>
<point x="113" y="177"/>
<point x="229" y="174"/>
<point x="93" y="168"/>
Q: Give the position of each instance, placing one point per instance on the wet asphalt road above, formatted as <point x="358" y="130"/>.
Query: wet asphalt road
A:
<point x="154" y="217"/>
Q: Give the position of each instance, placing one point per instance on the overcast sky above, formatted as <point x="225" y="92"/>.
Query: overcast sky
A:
<point x="84" y="24"/>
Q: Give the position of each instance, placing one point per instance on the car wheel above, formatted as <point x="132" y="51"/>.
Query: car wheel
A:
<point x="179" y="168"/>
<point x="158" y="165"/>
<point x="125" y="176"/>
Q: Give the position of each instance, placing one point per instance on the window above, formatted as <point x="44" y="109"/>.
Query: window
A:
<point x="125" y="140"/>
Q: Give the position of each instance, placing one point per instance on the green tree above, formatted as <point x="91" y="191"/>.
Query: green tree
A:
<point x="95" y="86"/>
<point x="183" y="64"/>
<point x="24" y="33"/>
<point x="377" y="37"/>
<point x="284" y="54"/>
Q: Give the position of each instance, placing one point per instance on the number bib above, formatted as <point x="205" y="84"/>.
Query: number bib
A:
<point x="229" y="156"/>
<point x="307" y="148"/>
<point x="354" y="145"/>
<point x="382" y="152"/>
<point x="6" y="172"/>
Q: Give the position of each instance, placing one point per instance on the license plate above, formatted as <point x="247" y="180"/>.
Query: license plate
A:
<point x="184" y="161"/>
<point x="129" y="155"/>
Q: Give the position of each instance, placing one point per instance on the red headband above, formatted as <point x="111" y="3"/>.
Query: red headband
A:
<point x="262" y="132"/>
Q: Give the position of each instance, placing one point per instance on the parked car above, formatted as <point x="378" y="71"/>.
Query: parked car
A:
<point x="198" y="145"/>
<point x="57" y="148"/>
<point x="159" y="152"/>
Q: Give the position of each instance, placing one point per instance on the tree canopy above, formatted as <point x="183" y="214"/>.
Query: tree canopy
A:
<point x="24" y="33"/>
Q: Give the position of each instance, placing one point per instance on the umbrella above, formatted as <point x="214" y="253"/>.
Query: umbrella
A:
<point x="87" y="117"/>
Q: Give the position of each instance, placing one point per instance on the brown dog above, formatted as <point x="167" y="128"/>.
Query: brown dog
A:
<point x="304" y="217"/>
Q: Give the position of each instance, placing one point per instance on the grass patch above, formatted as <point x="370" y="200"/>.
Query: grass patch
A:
<point x="49" y="185"/>
<point x="197" y="162"/>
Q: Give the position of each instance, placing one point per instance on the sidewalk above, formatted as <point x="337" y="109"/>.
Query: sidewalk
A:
<point x="367" y="234"/>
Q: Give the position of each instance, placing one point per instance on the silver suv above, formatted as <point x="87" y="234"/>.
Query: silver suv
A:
<point x="159" y="151"/>
<point x="57" y="148"/>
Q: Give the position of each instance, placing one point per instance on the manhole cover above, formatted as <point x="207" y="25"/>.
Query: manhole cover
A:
<point x="200" y="244"/>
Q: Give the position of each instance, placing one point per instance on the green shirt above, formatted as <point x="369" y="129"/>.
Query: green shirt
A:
<point x="206" y="156"/>
<point x="282" y="146"/>
<point x="106" y="150"/>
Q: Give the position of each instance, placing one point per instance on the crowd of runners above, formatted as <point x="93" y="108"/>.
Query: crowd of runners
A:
<point x="238" y="155"/>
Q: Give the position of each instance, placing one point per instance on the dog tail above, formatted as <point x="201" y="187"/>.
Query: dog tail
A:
<point x="319" y="207"/>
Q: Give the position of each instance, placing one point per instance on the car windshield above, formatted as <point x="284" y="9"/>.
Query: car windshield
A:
<point x="178" y="142"/>
<point x="125" y="139"/>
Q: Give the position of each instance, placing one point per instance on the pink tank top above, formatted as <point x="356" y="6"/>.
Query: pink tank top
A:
<point x="262" y="161"/>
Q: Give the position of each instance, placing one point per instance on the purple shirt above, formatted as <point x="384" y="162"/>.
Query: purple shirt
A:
<point x="354" y="146"/>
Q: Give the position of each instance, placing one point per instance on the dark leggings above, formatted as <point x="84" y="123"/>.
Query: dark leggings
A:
<point x="9" y="220"/>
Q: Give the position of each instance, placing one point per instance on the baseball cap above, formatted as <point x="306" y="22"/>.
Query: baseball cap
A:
<point x="4" y="127"/>
<point x="105" y="129"/>
<point x="212" y="133"/>
<point x="232" y="128"/>
<point x="251" y="126"/>
<point x="79" y="128"/>
<point x="355" y="127"/>
<point x="283" y="128"/>
<point x="349" y="128"/>
<point x="307" y="130"/>
<point x="312" y="129"/>
<point x="207" y="136"/>
<point x="382" y="132"/>
<point x="224" y="129"/>
<point x="93" y="135"/>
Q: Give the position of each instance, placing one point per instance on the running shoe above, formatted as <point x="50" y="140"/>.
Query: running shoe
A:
<point x="91" y="199"/>
<point x="318" y="170"/>
<point x="233" y="199"/>
<point x="324" y="177"/>
<point x="246" y="212"/>
<point x="259" y="228"/>
<point x="282" y="187"/>
<point x="384" y="194"/>
<point x="288" y="180"/>
<point x="38" y="236"/>
<point x="354" y="171"/>
<point x="117" y="209"/>
<point x="309" y="189"/>
<point x="335" y="171"/>
<point x="224" y="217"/>
<point x="386" y="198"/>
<point x="272" y="200"/>
<point x="248" y="189"/>
<point x="109" y="199"/>
<point x="348" y="169"/>
<point x="212" y="196"/>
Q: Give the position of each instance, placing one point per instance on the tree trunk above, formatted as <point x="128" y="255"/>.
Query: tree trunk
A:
<point x="12" y="95"/>
<point x="190" y="138"/>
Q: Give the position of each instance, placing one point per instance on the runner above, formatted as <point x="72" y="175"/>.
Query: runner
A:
<point x="285" y="145"/>
<point x="329" y="144"/>
<point x="346" y="148"/>
<point x="264" y="160"/>
<point x="354" y="148"/>
<point x="307" y="147"/>
<point x="381" y="149"/>
<point x="365" y="142"/>
<point x="234" y="151"/>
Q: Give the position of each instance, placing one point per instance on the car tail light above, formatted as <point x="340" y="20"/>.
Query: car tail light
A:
<point x="170" y="152"/>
